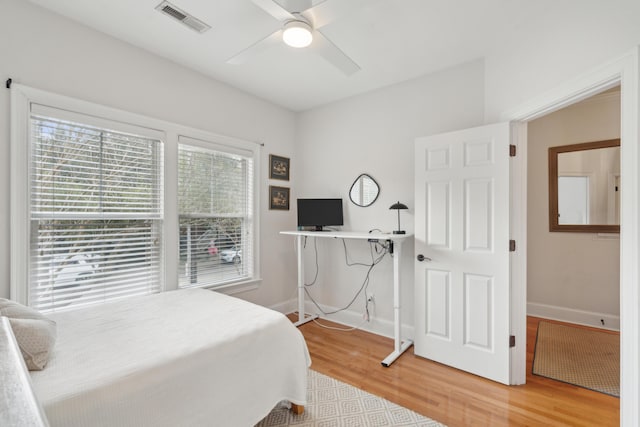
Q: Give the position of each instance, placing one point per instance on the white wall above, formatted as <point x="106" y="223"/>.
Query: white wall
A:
<point x="46" y="51"/>
<point x="574" y="37"/>
<point x="570" y="276"/>
<point x="374" y="133"/>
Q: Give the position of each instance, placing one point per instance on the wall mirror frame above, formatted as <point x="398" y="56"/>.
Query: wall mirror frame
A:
<point x="364" y="191"/>
<point x="554" y="217"/>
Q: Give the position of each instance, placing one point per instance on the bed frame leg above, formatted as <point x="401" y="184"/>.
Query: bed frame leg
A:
<point x="297" y="409"/>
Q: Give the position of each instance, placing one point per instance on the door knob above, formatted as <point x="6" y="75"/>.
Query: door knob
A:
<point x="421" y="258"/>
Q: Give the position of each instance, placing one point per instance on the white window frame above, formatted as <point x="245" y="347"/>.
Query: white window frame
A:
<point x="214" y="146"/>
<point x="22" y="97"/>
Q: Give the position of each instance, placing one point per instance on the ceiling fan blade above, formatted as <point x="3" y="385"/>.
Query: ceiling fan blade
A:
<point x="256" y="48"/>
<point x="298" y="6"/>
<point x="274" y="9"/>
<point x="332" y="53"/>
<point x="328" y="11"/>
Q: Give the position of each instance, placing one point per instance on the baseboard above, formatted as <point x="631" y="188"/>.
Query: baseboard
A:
<point x="348" y="318"/>
<point x="571" y="315"/>
<point x="286" y="307"/>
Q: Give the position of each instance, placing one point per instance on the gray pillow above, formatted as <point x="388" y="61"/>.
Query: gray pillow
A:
<point x="35" y="334"/>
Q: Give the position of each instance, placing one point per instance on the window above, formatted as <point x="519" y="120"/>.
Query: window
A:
<point x="95" y="214"/>
<point x="107" y="204"/>
<point x="214" y="203"/>
<point x="573" y="200"/>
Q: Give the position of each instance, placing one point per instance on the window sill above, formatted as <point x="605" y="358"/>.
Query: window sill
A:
<point x="237" y="287"/>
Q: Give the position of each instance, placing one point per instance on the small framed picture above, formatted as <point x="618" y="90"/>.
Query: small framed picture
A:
<point x="278" y="167"/>
<point x="279" y="198"/>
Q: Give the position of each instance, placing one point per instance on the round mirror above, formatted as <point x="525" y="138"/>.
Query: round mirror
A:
<point x="364" y="191"/>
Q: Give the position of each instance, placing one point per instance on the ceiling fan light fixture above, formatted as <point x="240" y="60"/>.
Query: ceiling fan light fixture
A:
<point x="297" y="34"/>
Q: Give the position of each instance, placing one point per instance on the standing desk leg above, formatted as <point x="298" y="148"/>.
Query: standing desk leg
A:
<point x="301" y="316"/>
<point x="399" y="346"/>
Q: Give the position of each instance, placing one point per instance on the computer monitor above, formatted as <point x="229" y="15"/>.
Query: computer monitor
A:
<point x="320" y="213"/>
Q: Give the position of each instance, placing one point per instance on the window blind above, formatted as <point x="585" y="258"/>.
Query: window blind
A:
<point x="96" y="214"/>
<point x="215" y="196"/>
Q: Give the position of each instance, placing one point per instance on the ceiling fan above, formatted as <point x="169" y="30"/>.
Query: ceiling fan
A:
<point x="301" y="21"/>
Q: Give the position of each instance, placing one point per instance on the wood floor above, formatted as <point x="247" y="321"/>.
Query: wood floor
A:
<point x="450" y="396"/>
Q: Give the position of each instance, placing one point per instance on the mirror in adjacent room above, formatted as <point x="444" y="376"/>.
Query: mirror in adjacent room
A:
<point x="584" y="187"/>
<point x="364" y="191"/>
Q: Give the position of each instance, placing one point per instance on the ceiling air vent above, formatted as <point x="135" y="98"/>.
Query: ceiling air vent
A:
<point x="182" y="16"/>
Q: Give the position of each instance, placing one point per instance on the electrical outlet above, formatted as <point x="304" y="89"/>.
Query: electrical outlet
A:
<point x="371" y="299"/>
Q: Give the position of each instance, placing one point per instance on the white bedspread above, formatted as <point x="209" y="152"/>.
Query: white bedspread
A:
<point x="183" y="358"/>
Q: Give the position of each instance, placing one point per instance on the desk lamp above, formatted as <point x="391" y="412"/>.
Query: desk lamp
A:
<point x="399" y="206"/>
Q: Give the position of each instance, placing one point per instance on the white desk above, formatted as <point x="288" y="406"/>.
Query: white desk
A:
<point x="397" y="239"/>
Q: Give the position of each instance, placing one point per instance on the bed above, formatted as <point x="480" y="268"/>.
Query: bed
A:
<point x="182" y="358"/>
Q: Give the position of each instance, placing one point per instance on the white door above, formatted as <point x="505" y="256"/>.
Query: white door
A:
<point x="462" y="286"/>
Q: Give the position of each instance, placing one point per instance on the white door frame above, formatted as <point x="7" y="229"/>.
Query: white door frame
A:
<point x="623" y="71"/>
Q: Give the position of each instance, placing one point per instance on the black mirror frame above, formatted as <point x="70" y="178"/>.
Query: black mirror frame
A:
<point x="356" y="181"/>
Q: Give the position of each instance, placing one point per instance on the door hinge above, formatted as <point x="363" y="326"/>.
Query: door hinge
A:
<point x="512" y="341"/>
<point x="512" y="150"/>
<point x="512" y="245"/>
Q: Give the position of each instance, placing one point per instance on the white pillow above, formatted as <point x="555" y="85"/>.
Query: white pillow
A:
<point x="35" y="334"/>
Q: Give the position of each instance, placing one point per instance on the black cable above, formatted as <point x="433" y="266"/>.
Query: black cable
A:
<point x="346" y="257"/>
<point x="379" y="249"/>
<point x="363" y="286"/>
<point x="374" y="261"/>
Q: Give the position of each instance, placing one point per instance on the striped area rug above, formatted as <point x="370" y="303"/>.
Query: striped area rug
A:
<point x="334" y="403"/>
<point x="583" y="357"/>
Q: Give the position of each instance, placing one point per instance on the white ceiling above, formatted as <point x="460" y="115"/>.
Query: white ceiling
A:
<point x="391" y="40"/>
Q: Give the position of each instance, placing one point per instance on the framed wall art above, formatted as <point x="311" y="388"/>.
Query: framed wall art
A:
<point x="278" y="198"/>
<point x="279" y="167"/>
